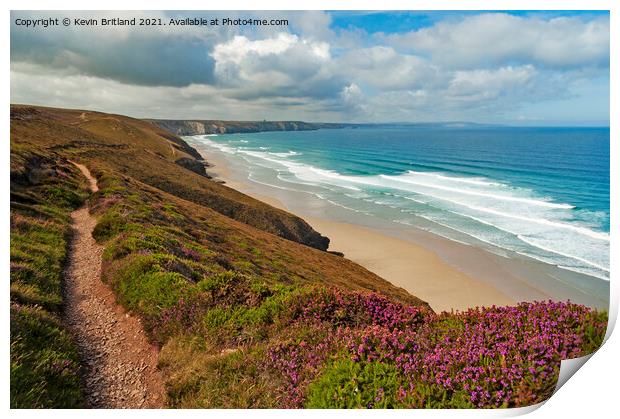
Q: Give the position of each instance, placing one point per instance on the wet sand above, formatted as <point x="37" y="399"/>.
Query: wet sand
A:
<point x="446" y="274"/>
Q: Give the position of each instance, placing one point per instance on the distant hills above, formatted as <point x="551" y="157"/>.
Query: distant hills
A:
<point x="209" y="126"/>
<point x="198" y="127"/>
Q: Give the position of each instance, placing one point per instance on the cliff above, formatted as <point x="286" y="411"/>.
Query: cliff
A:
<point x="162" y="160"/>
<point x="201" y="127"/>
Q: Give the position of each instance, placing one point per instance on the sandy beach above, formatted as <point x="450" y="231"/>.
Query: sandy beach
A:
<point x="446" y="274"/>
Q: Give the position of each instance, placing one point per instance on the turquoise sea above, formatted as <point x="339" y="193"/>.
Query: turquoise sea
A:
<point x="540" y="193"/>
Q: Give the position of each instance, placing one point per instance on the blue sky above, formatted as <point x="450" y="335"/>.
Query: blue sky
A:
<point x="404" y="21"/>
<point x="516" y="67"/>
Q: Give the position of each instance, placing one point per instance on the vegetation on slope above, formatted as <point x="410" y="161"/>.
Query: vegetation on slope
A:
<point x="156" y="157"/>
<point x="482" y="358"/>
<point x="151" y="244"/>
<point x="213" y="288"/>
<point x="246" y="318"/>
<point x="44" y="361"/>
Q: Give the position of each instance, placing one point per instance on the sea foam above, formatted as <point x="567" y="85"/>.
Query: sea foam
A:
<point x="495" y="213"/>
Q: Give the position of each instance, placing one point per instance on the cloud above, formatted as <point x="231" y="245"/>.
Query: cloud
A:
<point x="237" y="49"/>
<point x="478" y="95"/>
<point x="354" y="100"/>
<point x="283" y="65"/>
<point x="482" y="67"/>
<point x="30" y="84"/>
<point x="130" y="55"/>
<point x="141" y="55"/>
<point x="244" y="60"/>
<point x="496" y="38"/>
<point x="383" y="68"/>
<point x="476" y="85"/>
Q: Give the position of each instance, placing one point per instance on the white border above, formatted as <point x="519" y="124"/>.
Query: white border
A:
<point x="591" y="393"/>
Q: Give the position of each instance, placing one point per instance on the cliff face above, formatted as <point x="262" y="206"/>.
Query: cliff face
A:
<point x="157" y="158"/>
<point x="201" y="127"/>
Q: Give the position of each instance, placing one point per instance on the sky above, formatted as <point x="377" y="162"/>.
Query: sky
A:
<point x="517" y="68"/>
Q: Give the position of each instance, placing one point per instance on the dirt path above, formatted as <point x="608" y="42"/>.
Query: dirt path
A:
<point x="119" y="365"/>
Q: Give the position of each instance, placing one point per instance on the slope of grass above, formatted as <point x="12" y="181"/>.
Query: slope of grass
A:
<point x="237" y="330"/>
<point x="247" y="318"/>
<point x="155" y="157"/>
<point x="44" y="361"/>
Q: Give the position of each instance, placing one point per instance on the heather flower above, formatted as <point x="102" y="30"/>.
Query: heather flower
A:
<point x="487" y="357"/>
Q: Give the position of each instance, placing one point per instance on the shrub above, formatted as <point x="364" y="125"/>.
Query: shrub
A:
<point x="352" y="385"/>
<point x="143" y="285"/>
<point x="109" y="225"/>
<point x="489" y="357"/>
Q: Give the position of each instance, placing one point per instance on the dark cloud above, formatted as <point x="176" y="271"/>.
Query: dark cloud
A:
<point x="480" y="67"/>
<point x="129" y="56"/>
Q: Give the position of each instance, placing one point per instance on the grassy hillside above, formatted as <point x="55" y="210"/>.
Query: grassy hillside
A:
<point x="245" y="317"/>
<point x="156" y="157"/>
<point x="44" y="361"/>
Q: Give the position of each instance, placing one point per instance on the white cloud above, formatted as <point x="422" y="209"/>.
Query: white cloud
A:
<point x="496" y="38"/>
<point x="240" y="47"/>
<point x="384" y="68"/>
<point x="479" y="67"/>
<point x="489" y="84"/>
<point x="282" y="65"/>
<point x="351" y="93"/>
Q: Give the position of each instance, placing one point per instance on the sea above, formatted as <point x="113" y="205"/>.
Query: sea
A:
<point x="536" y="193"/>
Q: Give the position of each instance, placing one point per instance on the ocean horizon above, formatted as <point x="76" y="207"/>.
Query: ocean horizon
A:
<point x="533" y="192"/>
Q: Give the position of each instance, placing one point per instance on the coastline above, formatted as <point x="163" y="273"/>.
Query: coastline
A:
<point x="446" y="274"/>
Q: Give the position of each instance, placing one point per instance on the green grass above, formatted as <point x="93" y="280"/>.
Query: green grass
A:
<point x="350" y="385"/>
<point x="345" y="384"/>
<point x="145" y="287"/>
<point x="221" y="296"/>
<point x="200" y="375"/>
<point x="44" y="360"/>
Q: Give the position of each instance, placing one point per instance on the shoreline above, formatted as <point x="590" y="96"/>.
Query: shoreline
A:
<point x="446" y="274"/>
